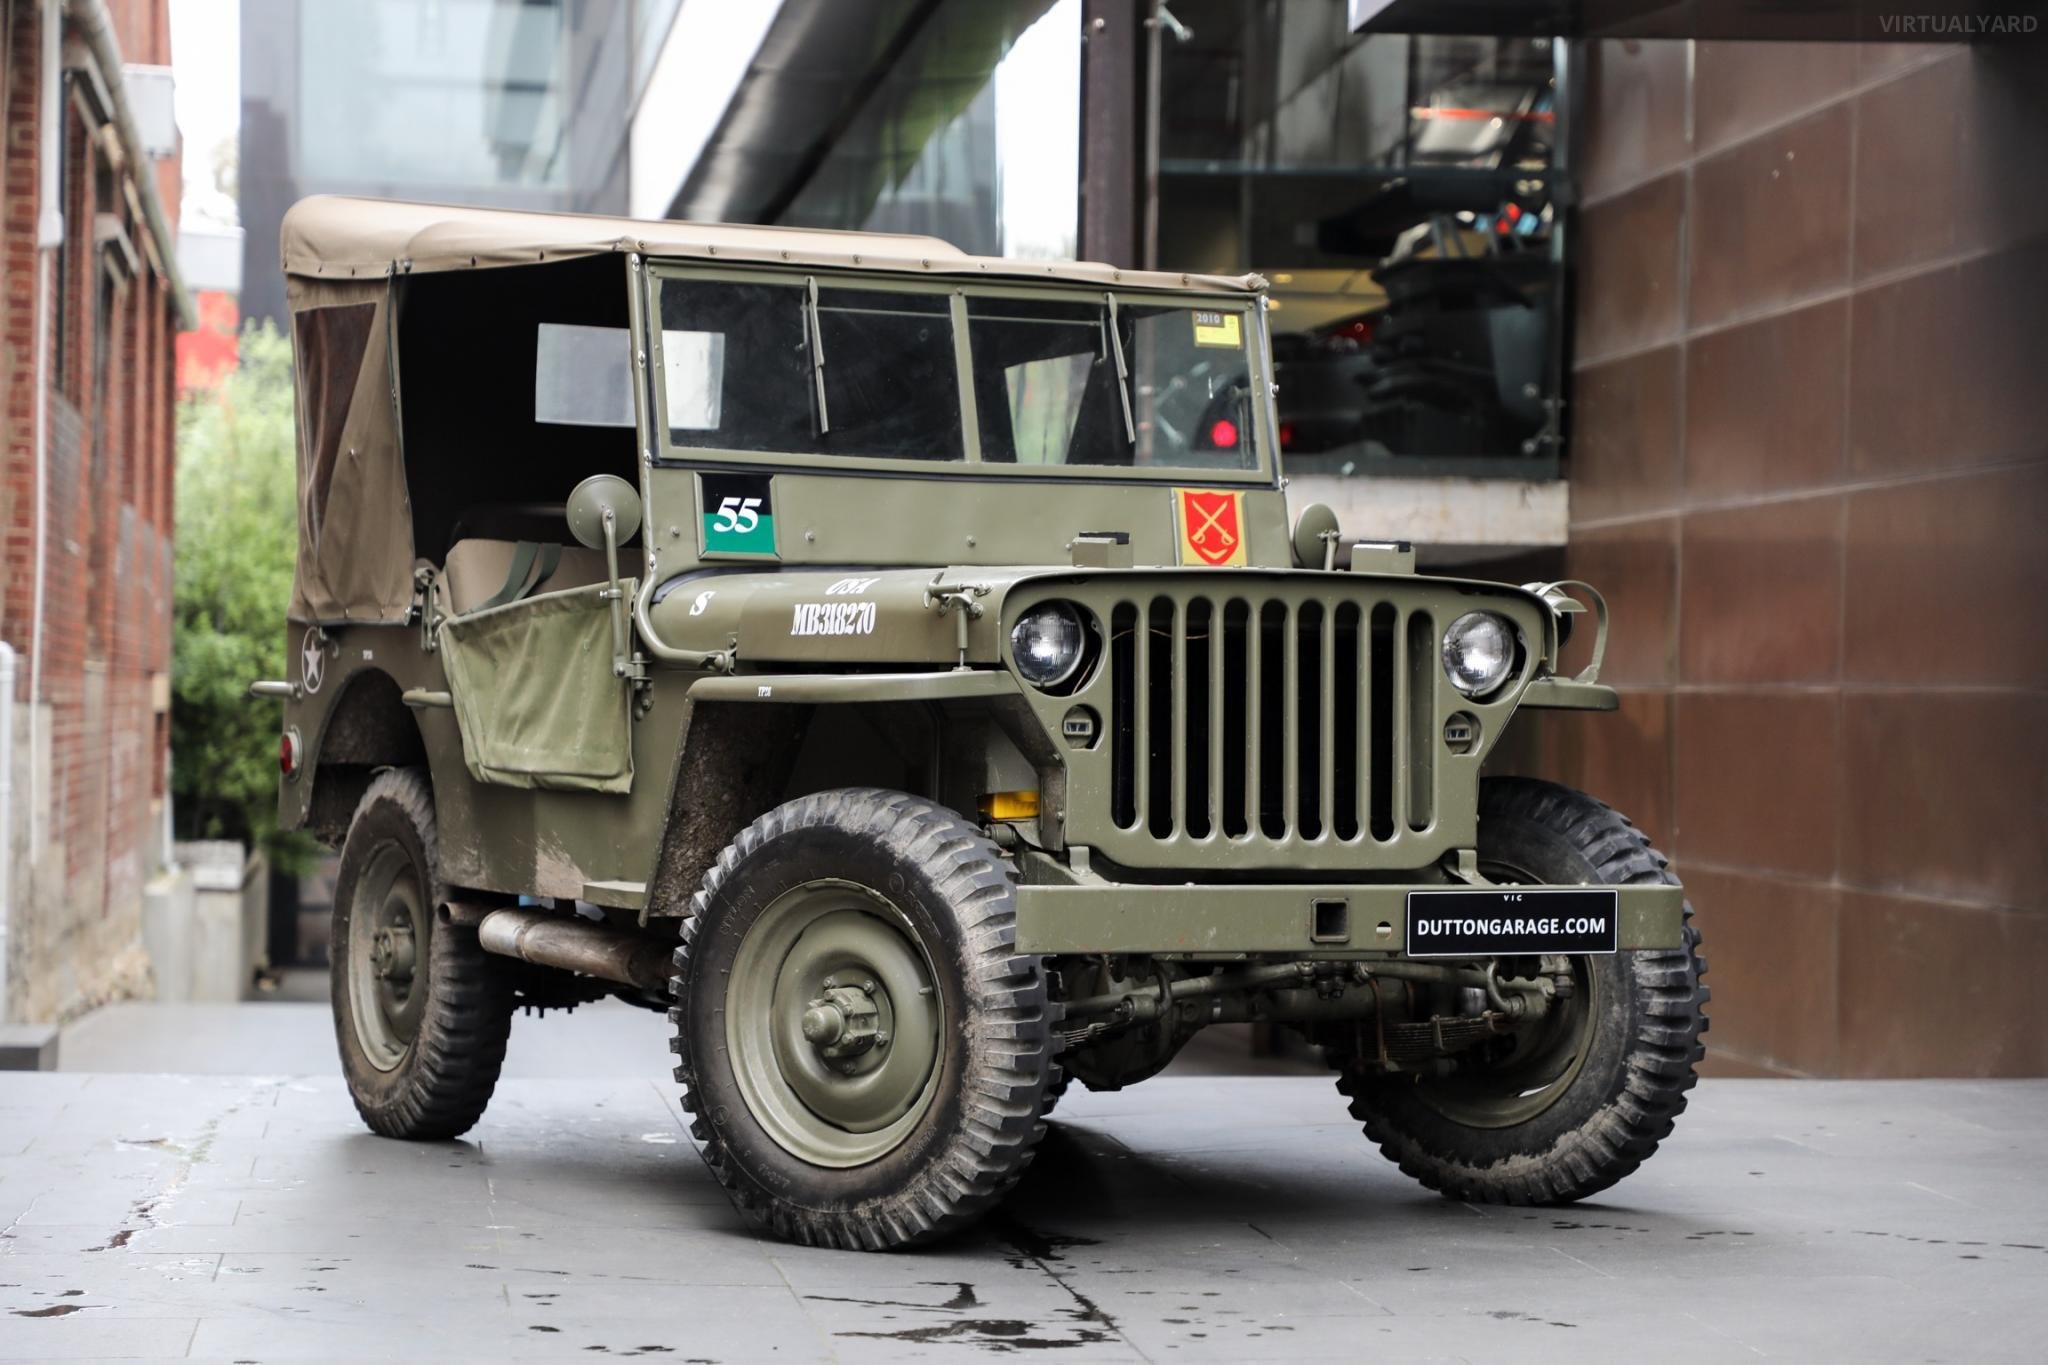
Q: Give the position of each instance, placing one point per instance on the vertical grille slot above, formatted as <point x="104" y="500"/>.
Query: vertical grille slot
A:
<point x="1237" y="774"/>
<point x="1346" y="751"/>
<point x="1312" y="730"/>
<point x="1270" y="687"/>
<point x="1194" y="721"/>
<point x="1162" y="718"/>
<point x="1379" y="676"/>
<point x="1123" y="684"/>
<point x="1423" y="670"/>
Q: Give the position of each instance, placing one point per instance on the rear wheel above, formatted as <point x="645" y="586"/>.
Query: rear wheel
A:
<point x="1582" y="1097"/>
<point x="421" y="1012"/>
<point x="864" y="1053"/>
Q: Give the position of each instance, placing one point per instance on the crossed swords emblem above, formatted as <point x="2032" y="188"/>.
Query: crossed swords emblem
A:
<point x="1211" y="521"/>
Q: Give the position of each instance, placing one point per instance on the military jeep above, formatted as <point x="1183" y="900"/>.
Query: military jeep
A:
<point x="899" y="668"/>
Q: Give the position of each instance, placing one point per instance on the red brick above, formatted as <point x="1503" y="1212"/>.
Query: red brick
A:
<point x="105" y="632"/>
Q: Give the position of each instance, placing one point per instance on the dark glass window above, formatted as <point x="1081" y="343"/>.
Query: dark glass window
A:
<point x="1048" y="390"/>
<point x="743" y="370"/>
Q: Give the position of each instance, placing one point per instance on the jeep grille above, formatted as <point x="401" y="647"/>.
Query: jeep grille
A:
<point x="1289" y="722"/>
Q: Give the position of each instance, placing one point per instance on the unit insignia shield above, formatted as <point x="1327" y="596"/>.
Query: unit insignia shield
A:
<point x="1211" y="527"/>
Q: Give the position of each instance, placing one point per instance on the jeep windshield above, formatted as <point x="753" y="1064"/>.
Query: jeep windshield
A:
<point x="919" y="375"/>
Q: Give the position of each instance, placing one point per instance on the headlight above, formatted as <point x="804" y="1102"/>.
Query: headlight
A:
<point x="1479" y="652"/>
<point x="1046" y="642"/>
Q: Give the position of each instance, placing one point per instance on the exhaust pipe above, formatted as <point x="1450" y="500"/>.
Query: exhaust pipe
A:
<point x="548" y="939"/>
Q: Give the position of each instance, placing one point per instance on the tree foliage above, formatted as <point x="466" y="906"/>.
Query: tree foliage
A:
<point x="237" y="536"/>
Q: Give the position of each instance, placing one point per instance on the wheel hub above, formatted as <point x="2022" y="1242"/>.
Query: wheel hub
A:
<point x="392" y="954"/>
<point x="388" y="924"/>
<point x="845" y="1021"/>
<point x="833" y="1021"/>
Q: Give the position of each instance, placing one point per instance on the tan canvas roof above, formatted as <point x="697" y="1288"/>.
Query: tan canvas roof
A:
<point x="333" y="237"/>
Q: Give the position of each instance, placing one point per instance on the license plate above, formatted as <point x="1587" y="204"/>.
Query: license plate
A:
<point x="1511" y="922"/>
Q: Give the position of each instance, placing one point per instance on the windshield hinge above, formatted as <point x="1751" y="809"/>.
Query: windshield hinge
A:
<point x="817" y="349"/>
<point x="960" y="599"/>
<point x="1123" y="371"/>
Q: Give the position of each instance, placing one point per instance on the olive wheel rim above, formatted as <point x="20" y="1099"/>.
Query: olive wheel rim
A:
<point x="388" y="929"/>
<point x="832" y="1023"/>
<point x="1547" y="1058"/>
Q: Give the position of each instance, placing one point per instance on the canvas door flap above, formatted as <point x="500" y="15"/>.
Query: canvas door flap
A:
<point x="535" y="696"/>
<point x="355" y="523"/>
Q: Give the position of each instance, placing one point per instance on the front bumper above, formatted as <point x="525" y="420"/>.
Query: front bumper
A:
<point x="1237" y="921"/>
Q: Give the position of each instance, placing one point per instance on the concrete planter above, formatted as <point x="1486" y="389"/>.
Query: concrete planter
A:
<point x="204" y="920"/>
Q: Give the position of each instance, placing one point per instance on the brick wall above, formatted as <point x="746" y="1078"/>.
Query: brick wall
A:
<point x="1810" y="469"/>
<point x="89" y="748"/>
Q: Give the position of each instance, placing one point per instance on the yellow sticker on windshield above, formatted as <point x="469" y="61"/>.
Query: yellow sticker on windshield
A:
<point x="1218" y="329"/>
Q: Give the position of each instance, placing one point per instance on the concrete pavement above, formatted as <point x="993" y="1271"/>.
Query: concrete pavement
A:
<point x="1192" y="1218"/>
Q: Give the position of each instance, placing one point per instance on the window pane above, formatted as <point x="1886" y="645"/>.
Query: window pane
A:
<point x="693" y="372"/>
<point x="747" y="380"/>
<point x="1192" y="378"/>
<point x="1047" y="386"/>
<point x="891" y="380"/>
<point x="583" y="376"/>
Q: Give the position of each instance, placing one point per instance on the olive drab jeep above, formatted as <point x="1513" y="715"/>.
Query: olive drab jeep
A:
<point x="899" y="668"/>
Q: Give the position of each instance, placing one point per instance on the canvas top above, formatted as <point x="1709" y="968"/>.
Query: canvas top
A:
<point x="337" y="237"/>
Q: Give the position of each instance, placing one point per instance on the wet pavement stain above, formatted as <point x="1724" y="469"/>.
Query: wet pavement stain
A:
<point x="1030" y="1245"/>
<point x="146" y="1211"/>
<point x="1512" y="1315"/>
<point x="55" y="1310"/>
<point x="999" y="1334"/>
<point x="1031" y="1249"/>
<point x="963" y="1297"/>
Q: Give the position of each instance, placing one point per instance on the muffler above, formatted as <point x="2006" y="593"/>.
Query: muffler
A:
<point x="549" y="939"/>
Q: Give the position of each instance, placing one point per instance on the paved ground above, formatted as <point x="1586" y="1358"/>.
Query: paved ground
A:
<point x="1194" y="1218"/>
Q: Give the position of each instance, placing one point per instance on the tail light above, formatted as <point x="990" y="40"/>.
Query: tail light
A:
<point x="288" y="753"/>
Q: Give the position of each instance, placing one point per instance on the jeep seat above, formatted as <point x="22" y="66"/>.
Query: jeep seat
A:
<point x="478" y="569"/>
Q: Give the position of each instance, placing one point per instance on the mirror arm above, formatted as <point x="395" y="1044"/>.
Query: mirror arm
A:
<point x="615" y="592"/>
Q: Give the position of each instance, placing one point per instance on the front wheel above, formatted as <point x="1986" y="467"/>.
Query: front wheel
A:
<point x="865" y="1055"/>
<point x="1587" y="1095"/>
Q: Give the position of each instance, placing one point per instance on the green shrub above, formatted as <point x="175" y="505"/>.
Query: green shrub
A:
<point x="237" y="535"/>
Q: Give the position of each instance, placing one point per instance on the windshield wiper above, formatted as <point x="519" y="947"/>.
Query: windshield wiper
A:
<point x="817" y="332"/>
<point x="1123" y="371"/>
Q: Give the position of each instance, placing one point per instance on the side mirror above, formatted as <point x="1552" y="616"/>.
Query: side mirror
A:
<point x="604" y="513"/>
<point x="593" y="498"/>
<point x="1315" y="537"/>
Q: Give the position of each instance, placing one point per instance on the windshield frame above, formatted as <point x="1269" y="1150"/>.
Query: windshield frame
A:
<point x="653" y="408"/>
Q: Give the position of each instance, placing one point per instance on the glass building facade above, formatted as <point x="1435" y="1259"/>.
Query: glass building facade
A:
<point x="520" y="103"/>
<point x="1397" y="191"/>
<point x="974" y="135"/>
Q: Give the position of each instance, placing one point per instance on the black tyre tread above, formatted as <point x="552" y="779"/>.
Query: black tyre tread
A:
<point x="460" y="1049"/>
<point x="1011" y="1035"/>
<point x="1662" y="1056"/>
